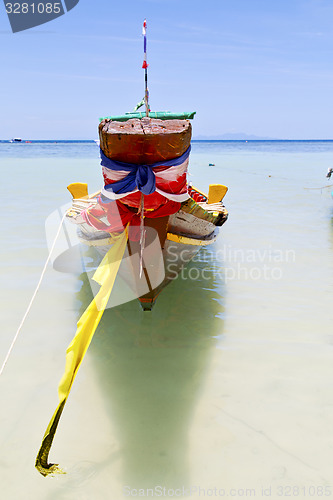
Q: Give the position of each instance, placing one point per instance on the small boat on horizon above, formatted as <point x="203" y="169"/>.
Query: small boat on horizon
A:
<point x="16" y="139"/>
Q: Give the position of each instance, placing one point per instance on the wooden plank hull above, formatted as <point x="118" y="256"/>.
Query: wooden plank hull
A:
<point x="160" y="266"/>
<point x="176" y="256"/>
<point x="170" y="244"/>
<point x="144" y="141"/>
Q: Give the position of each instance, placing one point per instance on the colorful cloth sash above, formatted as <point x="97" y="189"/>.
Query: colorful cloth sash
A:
<point x="123" y="178"/>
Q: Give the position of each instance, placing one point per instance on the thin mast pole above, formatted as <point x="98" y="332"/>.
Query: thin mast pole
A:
<point x="146" y="92"/>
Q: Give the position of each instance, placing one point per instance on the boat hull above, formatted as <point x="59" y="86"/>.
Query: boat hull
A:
<point x="167" y="242"/>
<point x="144" y="141"/>
<point x="170" y="244"/>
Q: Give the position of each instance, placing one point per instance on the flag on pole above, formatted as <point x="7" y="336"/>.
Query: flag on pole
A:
<point x="144" y="32"/>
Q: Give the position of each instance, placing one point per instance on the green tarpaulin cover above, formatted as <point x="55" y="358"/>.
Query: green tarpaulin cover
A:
<point x="161" y="115"/>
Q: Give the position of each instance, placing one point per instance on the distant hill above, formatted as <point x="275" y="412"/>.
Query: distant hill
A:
<point x="229" y="136"/>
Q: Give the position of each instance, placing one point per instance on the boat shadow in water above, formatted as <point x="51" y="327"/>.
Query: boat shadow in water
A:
<point x="151" y="367"/>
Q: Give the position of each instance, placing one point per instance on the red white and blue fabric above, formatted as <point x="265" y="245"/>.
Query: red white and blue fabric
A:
<point x="126" y="181"/>
<point x="114" y="217"/>
<point x="144" y="32"/>
<point x="164" y="185"/>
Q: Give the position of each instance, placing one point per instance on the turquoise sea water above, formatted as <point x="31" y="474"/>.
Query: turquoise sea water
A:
<point x="227" y="384"/>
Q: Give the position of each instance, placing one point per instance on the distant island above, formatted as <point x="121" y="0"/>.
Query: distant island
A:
<point x="230" y="136"/>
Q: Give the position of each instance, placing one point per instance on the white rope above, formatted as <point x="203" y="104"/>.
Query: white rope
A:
<point x="323" y="187"/>
<point x="32" y="298"/>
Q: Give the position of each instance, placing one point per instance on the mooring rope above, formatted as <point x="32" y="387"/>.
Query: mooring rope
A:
<point x="33" y="297"/>
<point x="323" y="187"/>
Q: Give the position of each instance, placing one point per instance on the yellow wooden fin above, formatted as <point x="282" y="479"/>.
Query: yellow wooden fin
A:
<point x="78" y="189"/>
<point x="216" y="193"/>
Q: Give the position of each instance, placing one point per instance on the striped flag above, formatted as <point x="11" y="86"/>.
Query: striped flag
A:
<point x="144" y="32"/>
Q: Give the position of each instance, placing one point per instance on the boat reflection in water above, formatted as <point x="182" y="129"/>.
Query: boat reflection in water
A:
<point x="151" y="368"/>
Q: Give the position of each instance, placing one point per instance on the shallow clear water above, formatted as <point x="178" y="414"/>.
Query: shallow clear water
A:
<point x="227" y="384"/>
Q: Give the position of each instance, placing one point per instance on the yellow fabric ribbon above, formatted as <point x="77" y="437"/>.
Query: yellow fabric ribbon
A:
<point x="105" y="276"/>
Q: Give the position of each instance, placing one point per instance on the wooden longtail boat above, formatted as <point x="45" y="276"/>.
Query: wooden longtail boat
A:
<point x="177" y="219"/>
<point x="146" y="216"/>
<point x="147" y="223"/>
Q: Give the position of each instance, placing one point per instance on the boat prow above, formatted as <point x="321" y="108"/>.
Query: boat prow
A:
<point x="171" y="242"/>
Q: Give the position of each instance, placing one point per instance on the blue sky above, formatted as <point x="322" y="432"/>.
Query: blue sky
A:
<point x="261" y="67"/>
